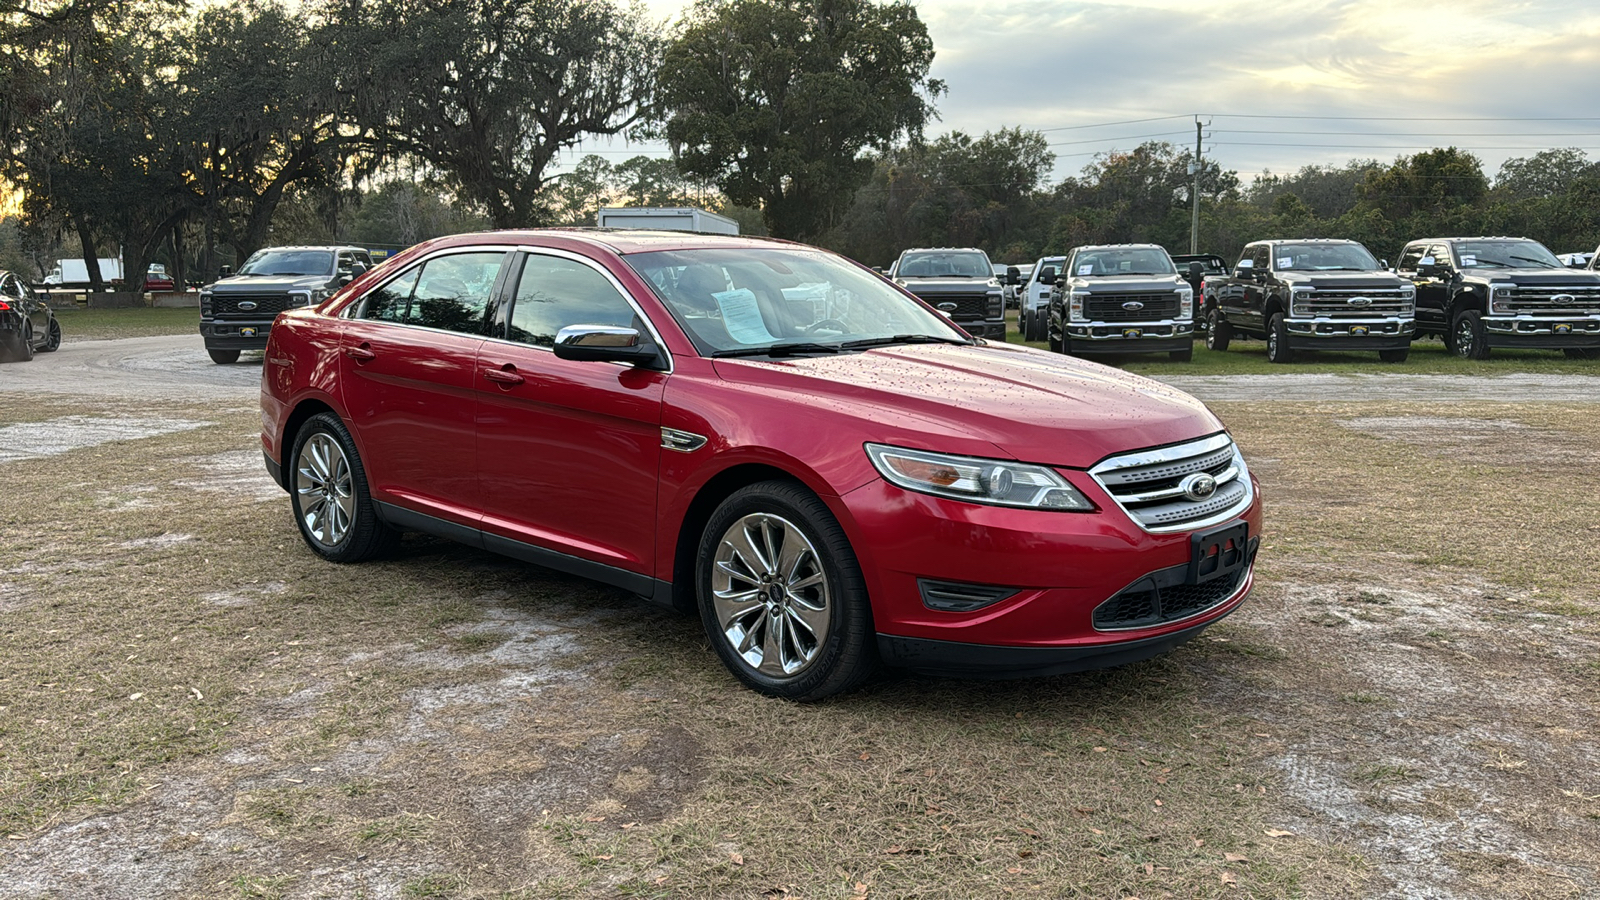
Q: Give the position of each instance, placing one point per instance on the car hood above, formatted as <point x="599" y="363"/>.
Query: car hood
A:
<point x="934" y="286"/>
<point x="256" y="284"/>
<point x="1342" y="281"/>
<point x="993" y="400"/>
<point x="1553" y="277"/>
<point x="1128" y="284"/>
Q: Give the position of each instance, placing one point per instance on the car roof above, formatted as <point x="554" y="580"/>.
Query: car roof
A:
<point x="1275" y="241"/>
<point x="1451" y="240"/>
<point x="1121" y="247"/>
<point x="622" y="240"/>
<point x="317" y="247"/>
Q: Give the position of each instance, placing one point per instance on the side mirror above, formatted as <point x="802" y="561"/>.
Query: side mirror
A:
<point x="1383" y="264"/>
<point x="1245" y="273"/>
<point x="358" y="270"/>
<point x="605" y="343"/>
<point x="224" y="271"/>
<point x="1197" y="269"/>
<point x="1048" y="274"/>
<point x="1013" y="275"/>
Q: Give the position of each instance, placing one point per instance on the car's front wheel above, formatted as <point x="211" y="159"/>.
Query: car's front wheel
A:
<point x="328" y="490"/>
<point x="782" y="596"/>
<point x="52" y="339"/>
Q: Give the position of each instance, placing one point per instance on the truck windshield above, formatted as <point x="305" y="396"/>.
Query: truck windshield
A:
<point x="1324" y="258"/>
<point x="288" y="262"/>
<point x="751" y="302"/>
<point x="1111" y="261"/>
<point x="944" y="264"/>
<point x="1505" y="255"/>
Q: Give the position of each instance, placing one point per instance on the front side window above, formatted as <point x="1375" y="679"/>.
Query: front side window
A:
<point x="554" y="292"/>
<point x="1411" y="258"/>
<point x="751" y="300"/>
<point x="451" y="293"/>
<point x="1324" y="258"/>
<point x="288" y="263"/>
<point x="1505" y="255"/>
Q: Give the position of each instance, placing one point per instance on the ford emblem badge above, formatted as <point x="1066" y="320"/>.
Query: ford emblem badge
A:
<point x="1133" y="306"/>
<point x="247" y="305"/>
<point x="948" y="307"/>
<point x="1563" y="298"/>
<point x="1360" y="301"/>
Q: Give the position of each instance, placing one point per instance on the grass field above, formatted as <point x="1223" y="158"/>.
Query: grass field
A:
<point x="191" y="704"/>
<point x="106" y="324"/>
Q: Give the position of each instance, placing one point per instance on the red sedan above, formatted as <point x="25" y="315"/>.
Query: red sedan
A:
<point x="824" y="468"/>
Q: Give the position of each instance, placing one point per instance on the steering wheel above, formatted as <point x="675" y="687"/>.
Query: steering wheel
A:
<point x="827" y="325"/>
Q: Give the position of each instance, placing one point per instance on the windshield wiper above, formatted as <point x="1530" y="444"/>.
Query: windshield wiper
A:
<point x="1542" y="264"/>
<point x="794" y="348"/>
<point x="902" y="339"/>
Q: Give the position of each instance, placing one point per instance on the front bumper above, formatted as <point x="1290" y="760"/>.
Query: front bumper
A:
<point x="1058" y="567"/>
<point x="984" y="328"/>
<point x="1324" y="333"/>
<point x="1130" y="337"/>
<point x="1542" y="332"/>
<point x="235" y="334"/>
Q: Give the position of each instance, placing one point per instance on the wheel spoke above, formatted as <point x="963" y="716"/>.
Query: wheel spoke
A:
<point x="772" y="661"/>
<point x="744" y="550"/>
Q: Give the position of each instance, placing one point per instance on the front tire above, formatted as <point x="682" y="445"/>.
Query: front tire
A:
<point x="52" y="337"/>
<point x="782" y="596"/>
<point x="328" y="491"/>
<point x="224" y="357"/>
<point x="1218" y="331"/>
<point x="1394" y="356"/>
<point x="1278" y="340"/>
<point x="1471" y="340"/>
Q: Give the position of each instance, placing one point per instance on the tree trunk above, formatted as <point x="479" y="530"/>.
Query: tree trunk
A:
<point x="91" y="254"/>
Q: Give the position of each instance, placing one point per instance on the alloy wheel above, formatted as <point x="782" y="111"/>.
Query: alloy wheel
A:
<point x="327" y="501"/>
<point x="770" y="594"/>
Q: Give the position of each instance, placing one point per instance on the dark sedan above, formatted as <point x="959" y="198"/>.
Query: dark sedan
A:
<point x="27" y="325"/>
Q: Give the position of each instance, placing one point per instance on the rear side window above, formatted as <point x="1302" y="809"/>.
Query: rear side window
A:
<point x="554" y="292"/>
<point x="451" y="293"/>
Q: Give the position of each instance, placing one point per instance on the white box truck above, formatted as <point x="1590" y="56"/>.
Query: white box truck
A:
<point x="75" y="272"/>
<point x="666" y="218"/>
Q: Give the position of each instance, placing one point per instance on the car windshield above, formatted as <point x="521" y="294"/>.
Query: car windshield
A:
<point x="1505" y="255"/>
<point x="1324" y="258"/>
<point x="944" y="264"/>
<point x="1104" y="261"/>
<point x="784" y="302"/>
<point x="288" y="262"/>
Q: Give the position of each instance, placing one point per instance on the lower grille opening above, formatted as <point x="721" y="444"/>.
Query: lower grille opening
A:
<point x="1165" y="596"/>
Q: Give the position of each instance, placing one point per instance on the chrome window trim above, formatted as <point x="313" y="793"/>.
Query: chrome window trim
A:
<point x="525" y="251"/>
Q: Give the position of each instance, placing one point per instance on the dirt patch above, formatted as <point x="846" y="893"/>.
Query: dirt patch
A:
<point x="1478" y="441"/>
<point x="50" y="438"/>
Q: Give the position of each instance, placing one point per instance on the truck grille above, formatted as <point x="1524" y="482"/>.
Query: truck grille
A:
<point x="1109" y="307"/>
<point x="968" y="306"/>
<point x="266" y="305"/>
<point x="1147" y="484"/>
<point x="1574" y="299"/>
<point x="1383" y="302"/>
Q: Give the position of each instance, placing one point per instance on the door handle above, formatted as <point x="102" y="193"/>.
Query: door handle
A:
<point x="507" y="376"/>
<point x="362" y="353"/>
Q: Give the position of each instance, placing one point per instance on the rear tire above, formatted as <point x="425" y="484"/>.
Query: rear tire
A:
<point x="781" y="594"/>
<point x="1218" y="331"/>
<point x="21" y="349"/>
<point x="1278" y="340"/>
<point x="1471" y="340"/>
<point x="328" y="492"/>
<point x="224" y="357"/>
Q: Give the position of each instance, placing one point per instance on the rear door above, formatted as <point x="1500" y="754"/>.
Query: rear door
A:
<point x="568" y="451"/>
<point x="406" y="372"/>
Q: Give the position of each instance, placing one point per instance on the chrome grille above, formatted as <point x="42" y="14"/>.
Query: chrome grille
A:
<point x="1383" y="302"/>
<point x="266" y="305"/>
<point x="1108" y="307"/>
<point x="1145" y="483"/>
<point x="1542" y="299"/>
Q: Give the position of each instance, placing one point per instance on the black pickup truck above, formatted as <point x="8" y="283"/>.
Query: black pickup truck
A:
<point x="1485" y="292"/>
<point x="236" y="311"/>
<point x="1313" y="295"/>
<point x="959" y="282"/>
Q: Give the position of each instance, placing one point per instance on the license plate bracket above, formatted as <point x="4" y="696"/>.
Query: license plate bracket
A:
<point x="1218" y="552"/>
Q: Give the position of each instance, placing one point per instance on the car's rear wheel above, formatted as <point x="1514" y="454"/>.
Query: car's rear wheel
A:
<point x="21" y="349"/>
<point x="1218" y="331"/>
<point x="782" y="596"/>
<point x="52" y="339"/>
<point x="328" y="491"/>
<point x="1278" y="340"/>
<point x="223" y="357"/>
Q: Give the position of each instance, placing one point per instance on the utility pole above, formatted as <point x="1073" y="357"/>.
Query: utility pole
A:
<point x="1194" y="192"/>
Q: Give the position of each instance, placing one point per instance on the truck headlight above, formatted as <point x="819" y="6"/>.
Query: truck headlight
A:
<point x="991" y="481"/>
<point x="1186" y="303"/>
<point x="205" y="304"/>
<point x="1075" y="301"/>
<point x="1500" y="298"/>
<point x="1300" y="302"/>
<point x="1408" y="300"/>
<point x="997" y="304"/>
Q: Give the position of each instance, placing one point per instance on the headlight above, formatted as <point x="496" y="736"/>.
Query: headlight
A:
<point x="205" y="304"/>
<point x="1186" y="303"/>
<point x="1075" y="301"/>
<point x="1500" y="298"/>
<point x="1300" y="303"/>
<point x="992" y="481"/>
<point x="1408" y="297"/>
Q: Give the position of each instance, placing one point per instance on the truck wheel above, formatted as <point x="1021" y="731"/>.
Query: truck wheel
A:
<point x="1278" y="340"/>
<point x="1184" y="355"/>
<point x="782" y="596"/>
<point x="1057" y="344"/>
<point x="224" y="357"/>
<point x="1218" y="331"/>
<point x="1395" y="356"/>
<point x="1582" y="352"/>
<point x="1035" y="329"/>
<point x="1471" y="341"/>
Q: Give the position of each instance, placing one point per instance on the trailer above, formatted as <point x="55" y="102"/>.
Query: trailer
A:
<point x="666" y="218"/>
<point x="74" y="273"/>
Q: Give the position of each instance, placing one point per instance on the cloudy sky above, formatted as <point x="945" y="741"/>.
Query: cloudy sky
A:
<point x="1282" y="84"/>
